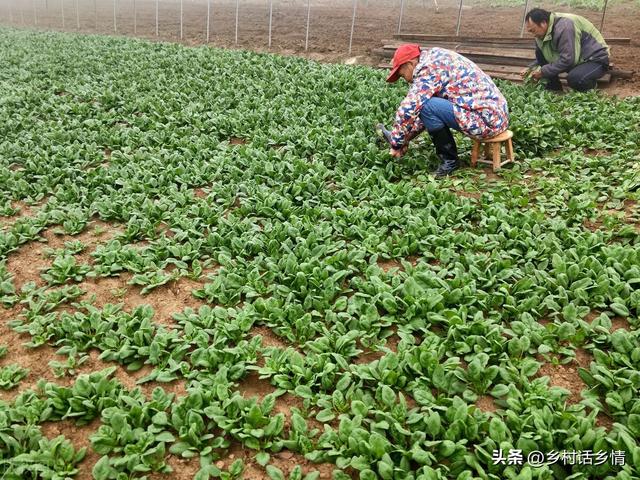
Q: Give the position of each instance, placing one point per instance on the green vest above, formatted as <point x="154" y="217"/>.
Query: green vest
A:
<point x="581" y="24"/>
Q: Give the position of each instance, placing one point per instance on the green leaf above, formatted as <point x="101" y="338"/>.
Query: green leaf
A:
<point x="500" y="390"/>
<point x="388" y="395"/>
<point x="620" y="309"/>
<point x="274" y="473"/>
<point x="262" y="458"/>
<point x="325" y="415"/>
<point x="378" y="445"/>
<point x="102" y="470"/>
<point x="165" y="437"/>
<point x="299" y="424"/>
<point x="237" y="467"/>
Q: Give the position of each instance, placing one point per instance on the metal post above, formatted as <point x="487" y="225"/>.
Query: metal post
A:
<point x="306" y="39"/>
<point x="524" y="16"/>
<point x="157" y="1"/>
<point x="77" y="15"/>
<point x="604" y="11"/>
<point x="115" y="20"/>
<point x="353" y="24"/>
<point x="459" y="19"/>
<point x="401" y="12"/>
<point x="181" y="10"/>
<point x="208" y="17"/>
<point x="270" y="19"/>
<point x="62" y="10"/>
<point x="135" y="18"/>
<point x="237" y="11"/>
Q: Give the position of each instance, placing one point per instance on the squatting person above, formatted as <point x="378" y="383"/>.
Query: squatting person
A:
<point x="566" y="43"/>
<point x="446" y="91"/>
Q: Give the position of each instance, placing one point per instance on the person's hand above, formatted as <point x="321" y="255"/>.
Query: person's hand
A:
<point x="397" y="153"/>
<point x="524" y="73"/>
<point x="537" y="75"/>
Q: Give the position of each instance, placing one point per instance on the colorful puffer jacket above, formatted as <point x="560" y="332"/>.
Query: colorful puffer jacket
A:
<point x="479" y="107"/>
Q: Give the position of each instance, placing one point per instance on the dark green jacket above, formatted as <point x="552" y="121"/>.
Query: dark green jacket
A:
<point x="570" y="41"/>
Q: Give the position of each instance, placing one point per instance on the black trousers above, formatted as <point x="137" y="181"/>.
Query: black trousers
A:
<point x="581" y="77"/>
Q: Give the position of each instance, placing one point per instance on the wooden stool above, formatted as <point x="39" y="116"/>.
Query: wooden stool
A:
<point x="492" y="148"/>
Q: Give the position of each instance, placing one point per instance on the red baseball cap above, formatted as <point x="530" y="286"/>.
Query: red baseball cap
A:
<point x="403" y="54"/>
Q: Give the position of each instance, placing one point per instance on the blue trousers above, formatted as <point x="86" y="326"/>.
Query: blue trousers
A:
<point x="437" y="113"/>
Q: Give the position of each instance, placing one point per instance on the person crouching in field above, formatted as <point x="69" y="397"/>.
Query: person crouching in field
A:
<point x="566" y="43"/>
<point x="447" y="91"/>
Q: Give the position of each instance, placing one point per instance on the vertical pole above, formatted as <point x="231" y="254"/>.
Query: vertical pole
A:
<point x="115" y="20"/>
<point x="181" y="10"/>
<point x="21" y="14"/>
<point x="237" y="11"/>
<point x="157" y="17"/>
<point x="524" y="15"/>
<point x="135" y="18"/>
<point x="35" y="13"/>
<point x="270" y="19"/>
<point x="353" y="24"/>
<point x="400" y="19"/>
<point x="77" y="15"/>
<point x="62" y="10"/>
<point x="604" y="11"/>
<point x="208" y="18"/>
<point x="459" y="19"/>
<point x="306" y="39"/>
<point x="95" y="14"/>
<point x="11" y="12"/>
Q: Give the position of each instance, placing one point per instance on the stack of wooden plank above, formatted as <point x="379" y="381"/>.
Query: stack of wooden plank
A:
<point x="500" y="57"/>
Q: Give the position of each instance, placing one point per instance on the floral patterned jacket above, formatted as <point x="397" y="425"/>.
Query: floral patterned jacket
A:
<point x="479" y="107"/>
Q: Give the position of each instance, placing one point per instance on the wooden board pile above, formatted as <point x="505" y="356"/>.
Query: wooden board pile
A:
<point x="500" y="57"/>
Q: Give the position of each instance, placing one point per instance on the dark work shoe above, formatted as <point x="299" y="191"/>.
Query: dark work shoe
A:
<point x="383" y="133"/>
<point x="447" y="167"/>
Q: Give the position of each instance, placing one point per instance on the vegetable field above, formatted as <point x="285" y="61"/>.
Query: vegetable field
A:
<point x="208" y="269"/>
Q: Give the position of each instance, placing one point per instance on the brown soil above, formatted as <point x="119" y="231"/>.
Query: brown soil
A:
<point x="472" y="195"/>
<point x="165" y="300"/>
<point x="387" y="265"/>
<point x="269" y="339"/>
<point x="490" y="176"/>
<point x="566" y="376"/>
<point x="237" y="141"/>
<point x="593" y="226"/>
<point x="603" y="420"/>
<point x="24" y="212"/>
<point x="284" y="460"/>
<point x="392" y="343"/>
<point x="594" y="152"/>
<point x="252" y="386"/>
<point x="616" y="322"/>
<point x="199" y="193"/>
<point x="486" y="404"/>
<point x="329" y="28"/>
<point x="79" y="437"/>
<point x="26" y="263"/>
<point x="183" y="469"/>
<point x="368" y="356"/>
